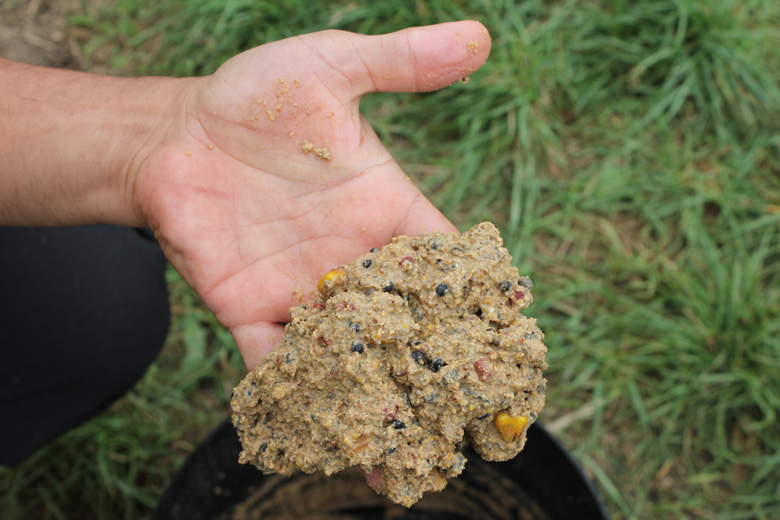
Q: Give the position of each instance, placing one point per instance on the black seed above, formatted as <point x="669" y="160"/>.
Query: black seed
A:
<point x="442" y="289"/>
<point x="367" y="263"/>
<point x="436" y="364"/>
<point x="458" y="446"/>
<point x="356" y="327"/>
<point x="374" y="250"/>
<point x="483" y="416"/>
<point x="505" y="286"/>
<point x="390" y="451"/>
<point x="398" y="425"/>
<point x="419" y="357"/>
<point x="263" y="447"/>
<point x="357" y="347"/>
<point x="388" y="287"/>
<point x="433" y="244"/>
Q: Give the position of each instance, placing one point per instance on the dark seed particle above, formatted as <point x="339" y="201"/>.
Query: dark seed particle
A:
<point x="367" y="263"/>
<point x="357" y="347"/>
<point x="419" y="357"/>
<point x="374" y="250"/>
<point x="483" y="416"/>
<point x="263" y="447"/>
<point x="391" y="451"/>
<point x="436" y="364"/>
<point x="505" y="286"/>
<point x="398" y="425"/>
<point x="442" y="289"/>
<point x="451" y="378"/>
<point x="388" y="287"/>
<point x="458" y="446"/>
<point x="356" y="327"/>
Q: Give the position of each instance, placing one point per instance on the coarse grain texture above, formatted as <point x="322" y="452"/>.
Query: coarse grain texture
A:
<point x="409" y="352"/>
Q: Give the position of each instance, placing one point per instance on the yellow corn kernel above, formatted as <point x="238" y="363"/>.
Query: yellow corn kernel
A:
<point x="510" y="427"/>
<point x="330" y="279"/>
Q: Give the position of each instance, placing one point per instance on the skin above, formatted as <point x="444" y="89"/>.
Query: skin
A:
<point x="216" y="165"/>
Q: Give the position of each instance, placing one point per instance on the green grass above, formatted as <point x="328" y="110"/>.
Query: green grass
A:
<point x="630" y="153"/>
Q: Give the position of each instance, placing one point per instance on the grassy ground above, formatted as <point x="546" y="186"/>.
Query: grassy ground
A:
<point x="629" y="151"/>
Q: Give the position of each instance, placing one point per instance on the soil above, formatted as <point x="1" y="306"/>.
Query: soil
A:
<point x="35" y="32"/>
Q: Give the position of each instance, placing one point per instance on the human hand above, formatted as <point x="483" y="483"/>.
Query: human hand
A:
<point x="268" y="176"/>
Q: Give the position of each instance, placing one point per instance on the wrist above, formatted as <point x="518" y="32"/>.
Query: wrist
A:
<point x="156" y="115"/>
<point x="71" y="143"/>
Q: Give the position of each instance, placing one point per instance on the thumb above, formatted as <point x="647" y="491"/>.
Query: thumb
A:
<point x="418" y="59"/>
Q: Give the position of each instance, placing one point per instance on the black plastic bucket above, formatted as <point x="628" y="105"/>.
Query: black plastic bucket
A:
<point x="542" y="483"/>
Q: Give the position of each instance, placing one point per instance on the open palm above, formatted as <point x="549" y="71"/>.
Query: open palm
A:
<point x="269" y="176"/>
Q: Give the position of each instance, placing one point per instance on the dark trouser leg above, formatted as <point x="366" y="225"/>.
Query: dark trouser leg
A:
<point x="83" y="312"/>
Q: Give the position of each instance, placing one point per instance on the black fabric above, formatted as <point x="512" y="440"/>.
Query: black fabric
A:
<point x="83" y="312"/>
